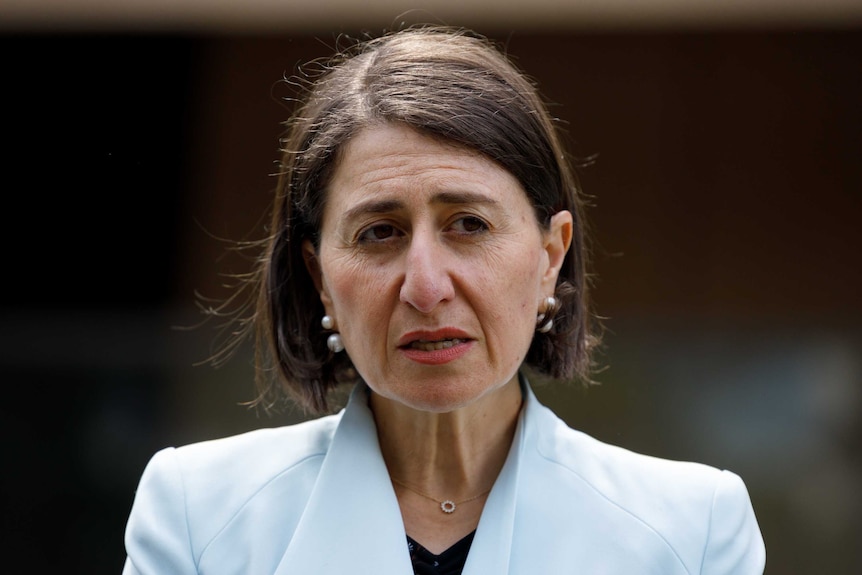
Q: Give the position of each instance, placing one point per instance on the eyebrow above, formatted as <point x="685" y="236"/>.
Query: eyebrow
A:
<point x="448" y="198"/>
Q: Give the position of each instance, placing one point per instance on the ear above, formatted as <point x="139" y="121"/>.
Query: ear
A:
<point x="312" y="264"/>
<point x="557" y="240"/>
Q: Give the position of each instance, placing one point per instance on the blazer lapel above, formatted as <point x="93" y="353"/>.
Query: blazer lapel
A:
<point x="492" y="545"/>
<point x="352" y="523"/>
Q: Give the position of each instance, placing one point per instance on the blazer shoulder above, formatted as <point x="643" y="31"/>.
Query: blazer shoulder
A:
<point x="200" y="488"/>
<point x="694" y="508"/>
<point x="233" y="469"/>
<point x="615" y="471"/>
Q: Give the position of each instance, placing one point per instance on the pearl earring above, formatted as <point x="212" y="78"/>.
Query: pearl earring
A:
<point x="334" y="341"/>
<point x="550" y="308"/>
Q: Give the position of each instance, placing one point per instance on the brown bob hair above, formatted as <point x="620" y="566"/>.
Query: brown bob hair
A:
<point x="447" y="83"/>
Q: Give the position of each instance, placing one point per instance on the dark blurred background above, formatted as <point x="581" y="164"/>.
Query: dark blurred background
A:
<point x="139" y="140"/>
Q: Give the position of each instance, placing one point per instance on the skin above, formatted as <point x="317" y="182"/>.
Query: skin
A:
<point x="434" y="268"/>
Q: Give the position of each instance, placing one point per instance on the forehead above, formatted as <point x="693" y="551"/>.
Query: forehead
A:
<point x="395" y="159"/>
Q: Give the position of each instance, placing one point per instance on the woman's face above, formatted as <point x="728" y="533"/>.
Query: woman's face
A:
<point x="433" y="266"/>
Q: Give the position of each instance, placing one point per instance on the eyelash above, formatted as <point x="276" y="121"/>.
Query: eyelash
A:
<point x="364" y="234"/>
<point x="363" y="237"/>
<point x="483" y="225"/>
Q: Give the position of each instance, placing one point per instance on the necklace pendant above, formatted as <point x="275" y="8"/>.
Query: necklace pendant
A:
<point x="447" y="506"/>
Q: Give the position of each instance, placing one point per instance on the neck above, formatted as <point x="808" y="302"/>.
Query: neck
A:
<point x="455" y="455"/>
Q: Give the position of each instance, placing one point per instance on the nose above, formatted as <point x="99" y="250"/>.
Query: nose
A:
<point x="427" y="280"/>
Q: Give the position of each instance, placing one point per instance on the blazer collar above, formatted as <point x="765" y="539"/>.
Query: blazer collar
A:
<point x="492" y="545"/>
<point x="352" y="523"/>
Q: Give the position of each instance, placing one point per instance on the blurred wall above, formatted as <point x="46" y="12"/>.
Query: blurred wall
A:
<point x="726" y="196"/>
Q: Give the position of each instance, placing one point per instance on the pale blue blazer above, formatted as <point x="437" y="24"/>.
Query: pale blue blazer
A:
<point x="315" y="499"/>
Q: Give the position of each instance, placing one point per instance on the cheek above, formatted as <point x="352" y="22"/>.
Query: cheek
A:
<point x="519" y="275"/>
<point x="511" y="289"/>
<point x="356" y="288"/>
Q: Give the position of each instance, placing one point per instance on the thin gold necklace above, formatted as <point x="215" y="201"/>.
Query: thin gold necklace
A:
<point x="447" y="505"/>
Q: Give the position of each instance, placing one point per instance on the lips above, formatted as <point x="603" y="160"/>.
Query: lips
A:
<point x="435" y="347"/>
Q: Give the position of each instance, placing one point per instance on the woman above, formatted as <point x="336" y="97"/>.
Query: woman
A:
<point x="427" y="247"/>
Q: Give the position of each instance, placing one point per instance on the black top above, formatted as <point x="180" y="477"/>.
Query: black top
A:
<point x="450" y="562"/>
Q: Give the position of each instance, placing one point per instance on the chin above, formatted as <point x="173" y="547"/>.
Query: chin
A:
<point x="438" y="398"/>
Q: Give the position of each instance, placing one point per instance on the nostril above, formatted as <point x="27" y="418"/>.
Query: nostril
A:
<point x="424" y="292"/>
<point x="427" y="281"/>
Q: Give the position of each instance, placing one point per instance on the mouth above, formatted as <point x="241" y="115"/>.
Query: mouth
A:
<point x="436" y="347"/>
<point x="431" y="339"/>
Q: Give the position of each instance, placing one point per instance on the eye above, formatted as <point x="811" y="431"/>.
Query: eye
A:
<point x="469" y="225"/>
<point x="378" y="233"/>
